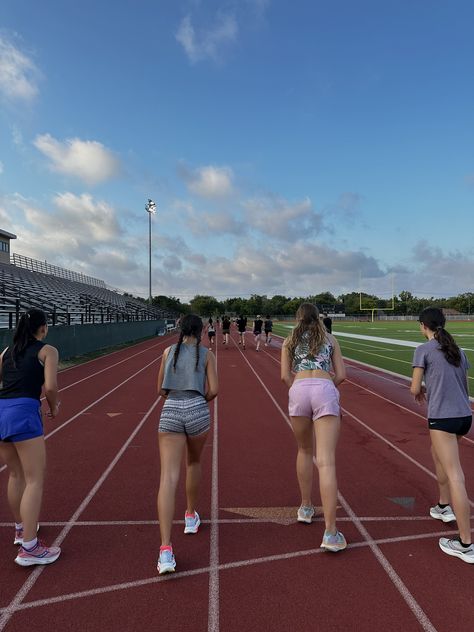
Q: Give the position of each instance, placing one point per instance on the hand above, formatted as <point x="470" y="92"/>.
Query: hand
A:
<point x="420" y="397"/>
<point x="53" y="412"/>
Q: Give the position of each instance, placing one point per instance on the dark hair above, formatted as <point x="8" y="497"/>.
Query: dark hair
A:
<point x="307" y="316"/>
<point x="26" y="330"/>
<point x="191" y="325"/>
<point x="433" y="318"/>
<point x="267" y="316"/>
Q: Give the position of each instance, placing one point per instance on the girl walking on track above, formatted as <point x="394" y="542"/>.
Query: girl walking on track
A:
<point x="187" y="381"/>
<point x="211" y="332"/>
<point x="310" y="352"/>
<point x="443" y="366"/>
<point x="24" y="368"/>
<point x="257" y="331"/>
<point x="242" y="328"/>
<point x="225" y="329"/>
<point x="268" y="326"/>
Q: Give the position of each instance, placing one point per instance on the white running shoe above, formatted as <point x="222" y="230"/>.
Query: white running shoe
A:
<point x="446" y="514"/>
<point x="455" y="548"/>
<point x="166" y="562"/>
<point x="333" y="542"/>
<point x="305" y="513"/>
<point x="191" y="523"/>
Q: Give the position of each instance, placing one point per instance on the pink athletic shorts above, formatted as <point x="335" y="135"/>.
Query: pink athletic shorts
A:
<point x="313" y="397"/>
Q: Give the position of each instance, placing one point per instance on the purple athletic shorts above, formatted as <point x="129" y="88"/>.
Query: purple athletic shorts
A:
<point x="313" y="397"/>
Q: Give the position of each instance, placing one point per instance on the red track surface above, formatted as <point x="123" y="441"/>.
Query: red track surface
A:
<point x="250" y="567"/>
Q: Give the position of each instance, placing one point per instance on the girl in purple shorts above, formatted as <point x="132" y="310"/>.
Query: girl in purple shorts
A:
<point x="25" y="366"/>
<point x="307" y="356"/>
<point x="443" y="367"/>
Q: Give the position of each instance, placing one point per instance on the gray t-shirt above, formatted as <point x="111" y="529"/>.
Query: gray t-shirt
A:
<point x="446" y="384"/>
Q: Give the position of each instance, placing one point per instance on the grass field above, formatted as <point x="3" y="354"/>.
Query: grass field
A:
<point x="393" y="357"/>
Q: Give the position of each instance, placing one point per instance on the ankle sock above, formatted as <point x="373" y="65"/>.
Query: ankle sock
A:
<point x="30" y="544"/>
<point x="441" y="506"/>
<point x="18" y="526"/>
<point x="465" y="546"/>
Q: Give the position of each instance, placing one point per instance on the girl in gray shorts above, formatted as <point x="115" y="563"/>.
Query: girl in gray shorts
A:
<point x="443" y="366"/>
<point x="187" y="381"/>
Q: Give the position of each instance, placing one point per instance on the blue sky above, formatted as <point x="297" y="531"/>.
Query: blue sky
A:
<point x="291" y="148"/>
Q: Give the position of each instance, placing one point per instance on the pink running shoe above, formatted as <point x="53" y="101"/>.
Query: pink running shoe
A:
<point x="39" y="554"/>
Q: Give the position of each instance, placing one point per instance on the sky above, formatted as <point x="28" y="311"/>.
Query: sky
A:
<point x="290" y="147"/>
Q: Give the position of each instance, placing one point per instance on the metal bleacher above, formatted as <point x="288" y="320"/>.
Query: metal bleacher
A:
<point x="68" y="297"/>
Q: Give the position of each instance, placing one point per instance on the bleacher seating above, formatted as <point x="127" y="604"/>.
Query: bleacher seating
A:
<point x="66" y="301"/>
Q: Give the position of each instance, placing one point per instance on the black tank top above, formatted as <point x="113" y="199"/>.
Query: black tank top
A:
<point x="25" y="376"/>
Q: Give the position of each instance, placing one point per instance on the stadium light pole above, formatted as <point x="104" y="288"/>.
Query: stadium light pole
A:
<point x="150" y="208"/>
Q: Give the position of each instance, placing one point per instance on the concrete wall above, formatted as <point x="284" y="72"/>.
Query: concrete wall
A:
<point x="79" y="339"/>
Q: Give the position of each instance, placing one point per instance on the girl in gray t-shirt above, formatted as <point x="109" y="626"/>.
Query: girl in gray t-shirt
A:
<point x="443" y="367"/>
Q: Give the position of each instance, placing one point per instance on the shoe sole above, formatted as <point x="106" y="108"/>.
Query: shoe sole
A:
<point x="36" y="562"/>
<point x="168" y="569"/>
<point x="333" y="549"/>
<point x="461" y="556"/>
<point x="305" y="520"/>
<point x="449" y="518"/>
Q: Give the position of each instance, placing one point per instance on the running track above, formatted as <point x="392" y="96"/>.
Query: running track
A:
<point x="251" y="567"/>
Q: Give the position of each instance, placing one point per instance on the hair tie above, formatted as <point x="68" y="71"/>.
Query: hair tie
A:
<point x="439" y="327"/>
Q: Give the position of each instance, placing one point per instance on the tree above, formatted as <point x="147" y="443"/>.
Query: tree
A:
<point x="204" y="305"/>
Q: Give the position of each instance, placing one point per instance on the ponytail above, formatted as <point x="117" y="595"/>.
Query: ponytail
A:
<point x="434" y="319"/>
<point x="191" y="325"/>
<point x="26" y="330"/>
<point x="176" y="351"/>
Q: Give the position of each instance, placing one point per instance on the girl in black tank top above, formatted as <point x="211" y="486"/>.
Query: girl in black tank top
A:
<point x="24" y="367"/>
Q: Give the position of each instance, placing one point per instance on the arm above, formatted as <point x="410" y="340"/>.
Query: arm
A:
<point x="1" y="365"/>
<point x="337" y="363"/>
<point x="417" y="389"/>
<point x="286" y="374"/>
<point x="211" y="377"/>
<point x="161" y="374"/>
<point x="49" y="356"/>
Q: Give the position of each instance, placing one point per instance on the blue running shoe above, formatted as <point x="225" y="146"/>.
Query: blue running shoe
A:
<point x="166" y="562"/>
<point x="333" y="541"/>
<point x="191" y="523"/>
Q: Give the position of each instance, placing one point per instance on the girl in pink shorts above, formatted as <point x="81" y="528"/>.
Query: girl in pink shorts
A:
<point x="307" y="357"/>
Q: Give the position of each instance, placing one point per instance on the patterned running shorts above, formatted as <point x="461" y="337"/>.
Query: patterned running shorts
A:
<point x="186" y="416"/>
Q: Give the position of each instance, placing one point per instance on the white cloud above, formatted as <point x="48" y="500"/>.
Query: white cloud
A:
<point x="209" y="181"/>
<point x="207" y="43"/>
<point x="18" y="73"/>
<point x="276" y="217"/>
<point x="87" y="160"/>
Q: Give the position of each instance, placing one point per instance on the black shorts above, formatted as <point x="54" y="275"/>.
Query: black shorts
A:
<point x="211" y="334"/>
<point x="268" y="331"/>
<point x="455" y="425"/>
<point x="257" y="333"/>
<point x="226" y="331"/>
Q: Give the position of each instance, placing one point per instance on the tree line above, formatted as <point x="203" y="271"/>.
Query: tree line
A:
<point x="350" y="304"/>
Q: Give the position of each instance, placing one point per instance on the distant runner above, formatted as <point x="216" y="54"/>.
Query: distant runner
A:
<point x="257" y="331"/>
<point x="268" y="327"/>
<point x="241" y="328"/>
<point x="211" y="332"/>
<point x="225" y="329"/>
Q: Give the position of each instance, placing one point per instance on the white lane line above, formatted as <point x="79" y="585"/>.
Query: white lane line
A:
<point x="388" y="568"/>
<point x="266" y="521"/>
<point x="10" y="610"/>
<point x="71" y="419"/>
<point x="156" y="579"/>
<point x="213" y="615"/>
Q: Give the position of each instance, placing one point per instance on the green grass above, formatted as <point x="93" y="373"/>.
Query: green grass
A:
<point x="389" y="356"/>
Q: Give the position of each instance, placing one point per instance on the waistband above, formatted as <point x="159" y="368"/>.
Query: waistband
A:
<point x="312" y="380"/>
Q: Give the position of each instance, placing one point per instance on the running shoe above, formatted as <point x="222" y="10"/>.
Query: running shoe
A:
<point x="305" y="513"/>
<point x="39" y="554"/>
<point x="446" y="514"/>
<point x="191" y="523"/>
<point x="19" y="535"/>
<point x="166" y="562"/>
<point x="454" y="547"/>
<point x="333" y="541"/>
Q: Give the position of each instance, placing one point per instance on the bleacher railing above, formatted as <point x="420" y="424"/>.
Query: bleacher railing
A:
<point x="47" y="268"/>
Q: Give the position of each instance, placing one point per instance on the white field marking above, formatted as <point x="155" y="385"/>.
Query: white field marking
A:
<point x="17" y="600"/>
<point x="88" y="377"/>
<point x="71" y="419"/>
<point x="213" y="604"/>
<point x="154" y="523"/>
<point x="392" y="341"/>
<point x="377" y="355"/>
<point x="156" y="579"/>
<point x="363" y="345"/>
<point x="388" y="568"/>
<point x="74" y="366"/>
<point x="380" y="557"/>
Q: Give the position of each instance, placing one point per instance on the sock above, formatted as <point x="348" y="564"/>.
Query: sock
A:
<point x="465" y="546"/>
<point x="30" y="545"/>
<point x="166" y="547"/>
<point x="442" y="506"/>
<point x="18" y="526"/>
<point x="190" y="515"/>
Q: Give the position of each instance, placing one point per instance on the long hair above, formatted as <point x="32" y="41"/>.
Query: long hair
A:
<point x="26" y="330"/>
<point x="308" y="322"/>
<point x="433" y="318"/>
<point x="191" y="325"/>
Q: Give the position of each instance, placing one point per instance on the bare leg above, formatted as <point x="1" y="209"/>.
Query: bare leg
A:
<point x="193" y="469"/>
<point x="443" y="483"/>
<point x="16" y="478"/>
<point x="171" y="452"/>
<point x="327" y="434"/>
<point x="445" y="445"/>
<point x="32" y="455"/>
<point x="303" y="431"/>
